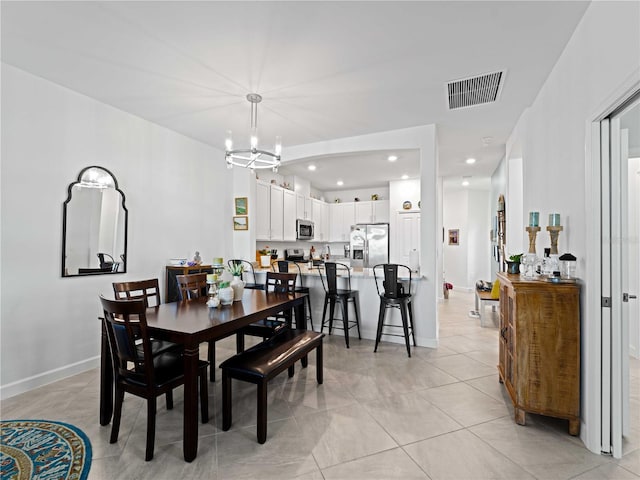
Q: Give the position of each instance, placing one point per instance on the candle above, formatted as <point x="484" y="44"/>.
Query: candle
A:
<point x="217" y="260"/>
<point x="210" y="278"/>
<point x="534" y="219"/>
<point x="554" y="219"/>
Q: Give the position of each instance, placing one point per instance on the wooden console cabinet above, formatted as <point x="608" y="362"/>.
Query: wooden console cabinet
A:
<point x="539" y="344"/>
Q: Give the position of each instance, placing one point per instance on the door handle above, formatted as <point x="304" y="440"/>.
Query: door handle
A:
<point x="626" y="297"/>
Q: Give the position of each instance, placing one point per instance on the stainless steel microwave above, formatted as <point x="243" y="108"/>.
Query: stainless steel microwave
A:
<point x="304" y="229"/>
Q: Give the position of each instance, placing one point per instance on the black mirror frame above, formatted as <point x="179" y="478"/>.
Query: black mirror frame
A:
<point x="64" y="225"/>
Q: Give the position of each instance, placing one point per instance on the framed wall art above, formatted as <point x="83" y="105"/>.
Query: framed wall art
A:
<point x="241" y="206"/>
<point x="241" y="223"/>
<point x="454" y="236"/>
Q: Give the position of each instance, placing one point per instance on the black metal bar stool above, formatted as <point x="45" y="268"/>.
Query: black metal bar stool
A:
<point x="394" y="292"/>
<point x="247" y="267"/>
<point x="334" y="295"/>
<point x="283" y="267"/>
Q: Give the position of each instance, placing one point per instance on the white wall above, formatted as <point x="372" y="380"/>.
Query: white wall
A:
<point x="424" y="139"/>
<point x="178" y="192"/>
<point x="469" y="211"/>
<point x="601" y="57"/>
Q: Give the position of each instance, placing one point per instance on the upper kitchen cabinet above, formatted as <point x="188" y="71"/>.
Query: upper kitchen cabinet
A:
<point x="372" y="212"/>
<point x="289" y="215"/>
<point x="303" y="207"/>
<point x="341" y="217"/>
<point x="320" y="220"/>
<point x="270" y="211"/>
<point x="263" y="210"/>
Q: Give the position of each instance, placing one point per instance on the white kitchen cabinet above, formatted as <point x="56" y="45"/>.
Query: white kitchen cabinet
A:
<point x="320" y="220"/>
<point x="341" y="217"/>
<point x="263" y="211"/>
<point x="376" y="211"/>
<point x="277" y="213"/>
<point x="304" y="208"/>
<point x="289" y="215"/>
<point x="380" y="210"/>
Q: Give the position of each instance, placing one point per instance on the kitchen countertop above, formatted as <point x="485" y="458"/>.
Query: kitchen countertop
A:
<point x="355" y="271"/>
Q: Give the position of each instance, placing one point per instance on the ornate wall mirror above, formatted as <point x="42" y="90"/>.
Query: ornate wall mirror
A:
<point x="94" y="225"/>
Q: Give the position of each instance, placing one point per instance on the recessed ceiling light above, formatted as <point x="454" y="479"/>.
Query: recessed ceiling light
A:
<point x="470" y="161"/>
<point x="405" y="176"/>
<point x="465" y="183"/>
<point x="339" y="183"/>
<point x="311" y="167"/>
<point x="392" y="158"/>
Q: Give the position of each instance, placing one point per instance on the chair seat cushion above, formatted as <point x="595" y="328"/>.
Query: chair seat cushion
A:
<point x="160" y="346"/>
<point x="265" y="329"/>
<point x="273" y="355"/>
<point x="168" y="367"/>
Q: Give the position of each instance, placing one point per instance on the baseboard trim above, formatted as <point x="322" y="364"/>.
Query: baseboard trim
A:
<point x="26" y="384"/>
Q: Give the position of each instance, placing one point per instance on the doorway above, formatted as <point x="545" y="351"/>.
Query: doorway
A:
<point x="620" y="134"/>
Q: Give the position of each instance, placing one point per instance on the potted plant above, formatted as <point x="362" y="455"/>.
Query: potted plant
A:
<point x="237" y="284"/>
<point x="513" y="264"/>
<point x="225" y="293"/>
<point x="265" y="257"/>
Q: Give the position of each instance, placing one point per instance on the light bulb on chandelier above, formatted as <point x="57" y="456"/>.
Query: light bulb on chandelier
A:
<point x="252" y="157"/>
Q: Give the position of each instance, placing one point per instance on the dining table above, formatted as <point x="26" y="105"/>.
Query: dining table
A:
<point x="190" y="324"/>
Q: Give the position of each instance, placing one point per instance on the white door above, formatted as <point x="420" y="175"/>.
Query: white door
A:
<point x="620" y="268"/>
<point x="407" y="238"/>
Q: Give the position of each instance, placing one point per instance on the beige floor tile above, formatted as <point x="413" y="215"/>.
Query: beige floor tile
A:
<point x="409" y="418"/>
<point x="388" y="465"/>
<point x="491" y="386"/>
<point x="465" y="404"/>
<point x="541" y="451"/>
<point x="608" y="471"/>
<point x="462" y="367"/>
<point x="442" y="458"/>
<point x="286" y="453"/>
<point x="344" y="434"/>
<point x="631" y="462"/>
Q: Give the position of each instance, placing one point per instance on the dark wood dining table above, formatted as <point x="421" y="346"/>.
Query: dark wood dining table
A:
<point x="190" y="324"/>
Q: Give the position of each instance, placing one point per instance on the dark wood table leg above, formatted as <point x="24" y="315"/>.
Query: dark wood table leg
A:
<point x="301" y="321"/>
<point x="106" y="379"/>
<point x="190" y="430"/>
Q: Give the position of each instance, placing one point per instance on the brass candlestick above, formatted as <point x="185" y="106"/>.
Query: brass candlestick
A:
<point x="533" y="231"/>
<point x="553" y="233"/>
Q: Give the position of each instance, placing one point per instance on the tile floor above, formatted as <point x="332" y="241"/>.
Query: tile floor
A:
<point x="439" y="415"/>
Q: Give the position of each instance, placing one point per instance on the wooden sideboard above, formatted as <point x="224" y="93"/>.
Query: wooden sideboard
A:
<point x="539" y="342"/>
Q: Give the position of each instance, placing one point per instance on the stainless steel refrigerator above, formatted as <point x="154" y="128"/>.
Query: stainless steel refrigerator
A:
<point x="369" y="244"/>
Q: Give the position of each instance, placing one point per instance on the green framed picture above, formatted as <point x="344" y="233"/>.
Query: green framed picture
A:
<point x="241" y="206"/>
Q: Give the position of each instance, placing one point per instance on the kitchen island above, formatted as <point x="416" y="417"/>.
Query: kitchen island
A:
<point x="362" y="279"/>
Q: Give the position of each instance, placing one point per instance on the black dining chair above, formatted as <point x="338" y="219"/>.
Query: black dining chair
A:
<point x="393" y="283"/>
<point x="275" y="283"/>
<point x="137" y="371"/>
<point x="285" y="266"/>
<point x="343" y="296"/>
<point x="149" y="291"/>
<point x="247" y="268"/>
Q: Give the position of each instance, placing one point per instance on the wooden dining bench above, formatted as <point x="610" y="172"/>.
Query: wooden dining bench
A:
<point x="264" y="361"/>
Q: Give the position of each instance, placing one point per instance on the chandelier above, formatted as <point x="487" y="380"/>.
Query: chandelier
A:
<point x="252" y="157"/>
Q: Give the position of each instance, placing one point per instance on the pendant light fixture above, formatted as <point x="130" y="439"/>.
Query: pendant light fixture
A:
<point x="252" y="157"/>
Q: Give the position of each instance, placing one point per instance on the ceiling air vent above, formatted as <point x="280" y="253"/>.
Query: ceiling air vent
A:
<point x="472" y="91"/>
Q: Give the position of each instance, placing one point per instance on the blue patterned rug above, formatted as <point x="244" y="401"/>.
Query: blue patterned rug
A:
<point x="43" y="450"/>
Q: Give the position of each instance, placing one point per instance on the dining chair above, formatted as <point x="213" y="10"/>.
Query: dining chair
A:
<point x="194" y="286"/>
<point x="137" y="371"/>
<point x="393" y="284"/>
<point x="110" y="263"/>
<point x="275" y="283"/>
<point x="149" y="291"/>
<point x="247" y="267"/>
<point x="343" y="296"/>
<point x="284" y="266"/>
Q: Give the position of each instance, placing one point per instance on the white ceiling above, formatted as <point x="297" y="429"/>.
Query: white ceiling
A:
<point x="326" y="70"/>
